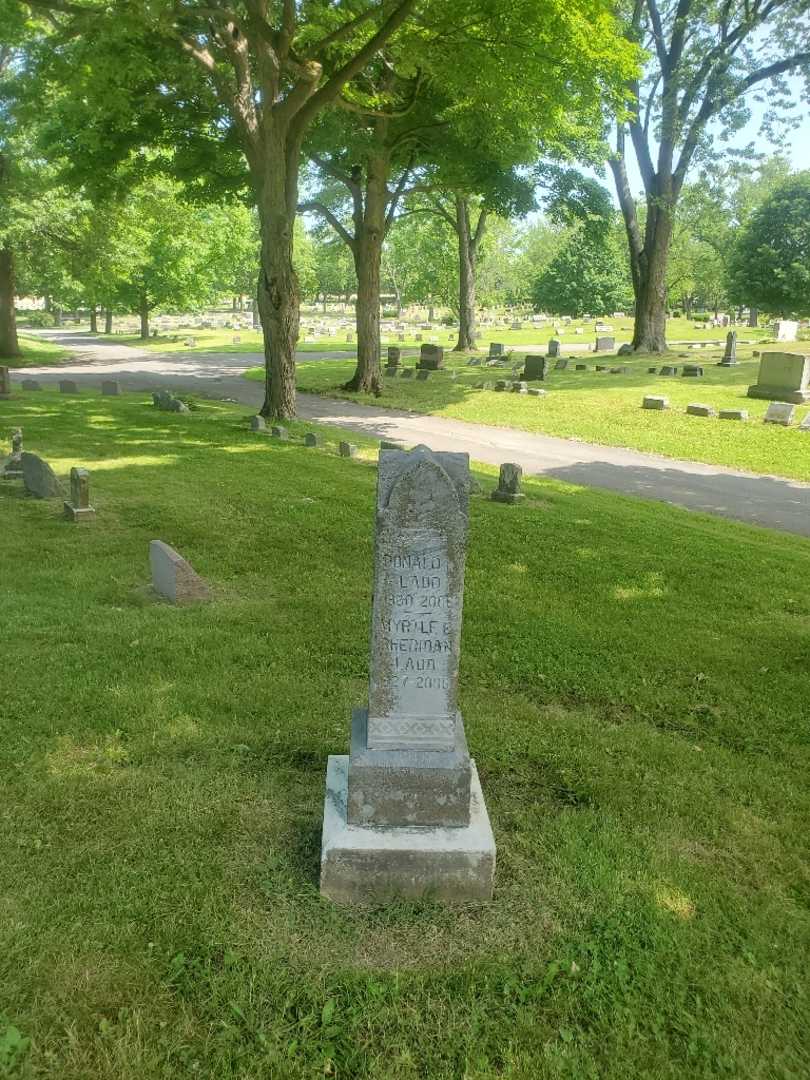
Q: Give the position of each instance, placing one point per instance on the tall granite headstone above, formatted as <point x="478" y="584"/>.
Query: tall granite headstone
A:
<point x="730" y="355"/>
<point x="553" y="347"/>
<point x="534" y="367"/>
<point x="404" y="812"/>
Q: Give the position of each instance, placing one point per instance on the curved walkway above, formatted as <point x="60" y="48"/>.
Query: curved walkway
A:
<point x="771" y="501"/>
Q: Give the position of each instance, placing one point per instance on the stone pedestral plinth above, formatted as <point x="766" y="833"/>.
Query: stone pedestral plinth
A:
<point x="404" y="814"/>
<point x="783" y="377"/>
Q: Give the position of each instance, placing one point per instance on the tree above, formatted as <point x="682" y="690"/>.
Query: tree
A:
<point x="770" y="266"/>
<point x="588" y="276"/>
<point x="705" y="57"/>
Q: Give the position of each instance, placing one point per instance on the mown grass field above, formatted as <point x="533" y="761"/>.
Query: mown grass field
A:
<point x="37" y="353"/>
<point x="600" y="407"/>
<point x="634" y="684"/>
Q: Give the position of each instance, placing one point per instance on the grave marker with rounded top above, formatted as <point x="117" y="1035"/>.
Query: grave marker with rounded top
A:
<point x="404" y="814"/>
<point x="109" y="388"/>
<point x="508" y="490"/>
<point x="68" y="386"/>
<point x="79" y="508"/>
<point x="258" y="423"/>
<point x="39" y="478"/>
<point x="173" y="578"/>
<point x="312" y="439"/>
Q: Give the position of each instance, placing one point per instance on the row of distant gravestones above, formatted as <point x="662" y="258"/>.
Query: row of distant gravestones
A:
<point x="778" y="412"/>
<point x="172" y="576"/>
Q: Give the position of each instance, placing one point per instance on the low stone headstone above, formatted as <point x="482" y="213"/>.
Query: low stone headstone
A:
<point x="79" y="508"/>
<point x="394" y="356"/>
<point x="519" y="387"/>
<point x="422" y="375"/>
<point x="620" y="371"/>
<point x="733" y="414"/>
<point x="39" y="478"/>
<point x="580" y="367"/>
<point x="692" y="371"/>
<point x="534" y="367"/>
<point x="535" y="391"/>
<point x="553" y="348"/>
<point x="258" y="423"/>
<point x="667" y="370"/>
<point x="173" y="578"/>
<point x="698" y="409"/>
<point x="109" y="388"/>
<point x="391" y="372"/>
<point x="431" y="357"/>
<point x="407" y="373"/>
<point x="501" y="384"/>
<point x="561" y="364"/>
<point x="280" y="433"/>
<point x="779" y="412"/>
<point x="5" y="384"/>
<point x="783" y="377"/>
<point x="495" y="349"/>
<point x="508" y="489"/>
<point x="730" y="355"/>
<point x="312" y="439"/>
<point x="786" y="330"/>
<point x="11" y="466"/>
<point x="652" y="370"/>
<point x="30" y="384"/>
<point x="404" y="815"/>
<point x="605" y="344"/>
<point x="653" y="402"/>
<point x="347" y="449"/>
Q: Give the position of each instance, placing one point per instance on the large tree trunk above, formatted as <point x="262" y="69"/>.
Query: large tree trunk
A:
<point x="650" y="331"/>
<point x="466" y="278"/>
<point x="753" y="317"/>
<point x="144" y="313"/>
<point x="93" y="320"/>
<point x="279" y="297"/>
<point x="369" y="236"/>
<point x="108" y="321"/>
<point x="9" y="345"/>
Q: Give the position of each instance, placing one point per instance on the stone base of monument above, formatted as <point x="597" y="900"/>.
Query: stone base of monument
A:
<point x="79" y="514"/>
<point x="778" y="393"/>
<point x="363" y="864"/>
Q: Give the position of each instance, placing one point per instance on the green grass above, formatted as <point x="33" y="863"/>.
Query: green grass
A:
<point x="37" y="352"/>
<point x="220" y="340"/>
<point x="600" y="407"/>
<point x="634" y="683"/>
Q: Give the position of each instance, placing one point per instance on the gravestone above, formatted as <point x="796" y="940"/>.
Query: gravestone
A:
<point x="495" y="349"/>
<point x="553" y="348"/>
<point x="779" y="412"/>
<point x="786" y="330"/>
<point x="258" y="423"/>
<point x="580" y="367"/>
<point x="39" y="477"/>
<point x="173" y="578"/>
<point x="698" y="409"/>
<point x="431" y="357"/>
<point x="519" y="387"/>
<point x="605" y="344"/>
<point x="391" y="372"/>
<point x="68" y="386"/>
<point x="280" y="433"/>
<point x="805" y="424"/>
<point x="312" y="439"/>
<point x="422" y="375"/>
<point x="474" y="361"/>
<point x="5" y="384"/>
<point x="657" y="403"/>
<point x="30" y="384"/>
<point x="109" y="388"/>
<point x="404" y="814"/>
<point x="347" y="449"/>
<point x="534" y="368"/>
<point x="11" y="466"/>
<point x="730" y="355"/>
<point x="508" y="489"/>
<point x="692" y="371"/>
<point x="667" y="370"/>
<point x="535" y="391"/>
<point x="782" y="377"/>
<point x="394" y="356"/>
<point x="733" y="414"/>
<point x="79" y="508"/>
<point x="501" y="384"/>
<point x="561" y="364"/>
<point x="407" y="373"/>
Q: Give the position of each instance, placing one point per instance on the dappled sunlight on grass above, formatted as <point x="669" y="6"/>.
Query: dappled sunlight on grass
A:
<point x="674" y="901"/>
<point x="650" y="588"/>
<point x="69" y="758"/>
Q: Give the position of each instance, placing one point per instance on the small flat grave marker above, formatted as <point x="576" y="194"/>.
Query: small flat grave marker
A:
<point x="656" y="403"/>
<point x="780" y="412"/>
<point x="698" y="409"/>
<point x="733" y="414"/>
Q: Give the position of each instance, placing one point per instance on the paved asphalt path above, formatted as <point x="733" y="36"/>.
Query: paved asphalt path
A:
<point x="771" y="501"/>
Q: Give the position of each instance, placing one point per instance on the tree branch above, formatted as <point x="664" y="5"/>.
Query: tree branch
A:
<point x="326" y="213"/>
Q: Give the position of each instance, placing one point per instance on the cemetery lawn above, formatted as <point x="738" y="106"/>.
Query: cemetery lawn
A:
<point x="36" y="352"/>
<point x="634" y="683"/>
<point x="600" y="407"/>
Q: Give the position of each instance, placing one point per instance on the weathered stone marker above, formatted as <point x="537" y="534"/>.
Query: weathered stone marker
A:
<point x="109" y="388"/>
<point x="11" y="466"/>
<point x="79" y="508"/>
<point x="733" y="414"/>
<point x="783" y="377"/>
<point x="605" y="344"/>
<point x="5" y="384"/>
<point x="780" y="412"/>
<point x="699" y="409"/>
<point x="508" y="489"/>
<point x="39" y="478"/>
<point x="30" y="384"/>
<point x="692" y="371"/>
<point x="68" y="386"/>
<point x="553" y="347"/>
<point x="534" y="367"/>
<point x="173" y="578"/>
<point x="730" y="355"/>
<point x="495" y="348"/>
<point x="280" y="433"/>
<point x="652" y="402"/>
<point x="313" y="439"/>
<point x="347" y="449"/>
<point x="404" y="812"/>
<point x="431" y="358"/>
<point x="394" y="356"/>
<point x="258" y="423"/>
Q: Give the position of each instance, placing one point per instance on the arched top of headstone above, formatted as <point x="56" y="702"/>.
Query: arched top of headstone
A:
<point x="423" y="476"/>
